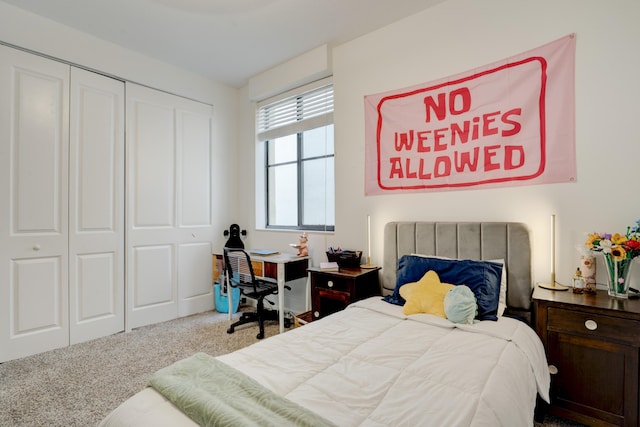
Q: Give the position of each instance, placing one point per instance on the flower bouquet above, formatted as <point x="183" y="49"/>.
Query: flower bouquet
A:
<point x="619" y="252"/>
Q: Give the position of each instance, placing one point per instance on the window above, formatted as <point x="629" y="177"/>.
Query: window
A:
<point x="296" y="134"/>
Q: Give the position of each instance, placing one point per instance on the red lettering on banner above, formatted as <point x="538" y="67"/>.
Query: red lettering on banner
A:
<point x="488" y="120"/>
<point x="421" y="172"/>
<point x="403" y="140"/>
<point x="492" y="157"/>
<point x="509" y="152"/>
<point x="441" y="139"/>
<point x="410" y="174"/>
<point x="461" y="96"/>
<point x="464" y="96"/>
<point x="439" y="108"/>
<point x="474" y="131"/>
<point x="516" y="126"/>
<point x="422" y="141"/>
<point x="443" y="167"/>
<point x="463" y="134"/>
<point x="438" y="135"/>
<point x="396" y="168"/>
<point x="496" y="125"/>
<point x="465" y="159"/>
<point x="489" y="154"/>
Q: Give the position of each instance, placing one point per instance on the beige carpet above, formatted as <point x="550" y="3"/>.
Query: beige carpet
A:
<point x="79" y="385"/>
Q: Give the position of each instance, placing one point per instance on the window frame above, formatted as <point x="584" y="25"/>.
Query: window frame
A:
<point x="303" y="109"/>
<point x="299" y="162"/>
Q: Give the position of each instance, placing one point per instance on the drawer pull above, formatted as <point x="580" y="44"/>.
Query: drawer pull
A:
<point x="591" y="325"/>
<point x="553" y="370"/>
<point x="330" y="283"/>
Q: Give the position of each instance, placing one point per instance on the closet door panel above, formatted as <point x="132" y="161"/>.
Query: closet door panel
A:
<point x="153" y="163"/>
<point x="154" y="298"/>
<point x="34" y="111"/>
<point x="195" y="167"/>
<point x="37" y="291"/>
<point x="95" y="296"/>
<point x="38" y="150"/>
<point x="195" y="282"/>
<point x="169" y="206"/>
<point x="151" y="209"/>
<point x="194" y="215"/>
<point x="96" y="200"/>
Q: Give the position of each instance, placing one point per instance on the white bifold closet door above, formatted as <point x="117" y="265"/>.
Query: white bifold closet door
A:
<point x="34" y="144"/>
<point x="96" y="206"/>
<point x="62" y="205"/>
<point x="169" y="206"/>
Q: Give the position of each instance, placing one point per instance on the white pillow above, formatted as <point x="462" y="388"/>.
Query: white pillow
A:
<point x="502" y="301"/>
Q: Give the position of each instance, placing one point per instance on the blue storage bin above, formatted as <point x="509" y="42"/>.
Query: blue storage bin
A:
<point x="222" y="301"/>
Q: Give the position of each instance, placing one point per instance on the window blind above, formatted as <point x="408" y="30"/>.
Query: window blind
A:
<point x="304" y="111"/>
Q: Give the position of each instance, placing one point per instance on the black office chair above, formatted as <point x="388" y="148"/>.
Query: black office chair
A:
<point x="240" y="275"/>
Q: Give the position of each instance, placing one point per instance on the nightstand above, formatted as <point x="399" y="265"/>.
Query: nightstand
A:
<point x="332" y="291"/>
<point x="593" y="347"/>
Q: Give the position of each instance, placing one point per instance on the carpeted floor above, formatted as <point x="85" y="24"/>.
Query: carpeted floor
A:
<point x="79" y="385"/>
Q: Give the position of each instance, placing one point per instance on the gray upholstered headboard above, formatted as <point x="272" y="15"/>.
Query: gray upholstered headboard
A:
<point x="465" y="240"/>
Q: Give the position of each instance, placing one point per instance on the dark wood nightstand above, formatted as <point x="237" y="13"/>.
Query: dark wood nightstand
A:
<point x="593" y="347"/>
<point x="332" y="291"/>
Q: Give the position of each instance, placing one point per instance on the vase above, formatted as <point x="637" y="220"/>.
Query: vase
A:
<point x="617" y="276"/>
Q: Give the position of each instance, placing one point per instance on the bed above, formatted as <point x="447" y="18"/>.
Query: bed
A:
<point x="371" y="364"/>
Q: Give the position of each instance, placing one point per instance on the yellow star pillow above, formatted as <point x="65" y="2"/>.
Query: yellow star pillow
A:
<point x="426" y="295"/>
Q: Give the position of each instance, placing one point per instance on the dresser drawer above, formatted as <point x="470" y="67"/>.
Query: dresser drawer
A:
<point x="594" y="325"/>
<point x="332" y="283"/>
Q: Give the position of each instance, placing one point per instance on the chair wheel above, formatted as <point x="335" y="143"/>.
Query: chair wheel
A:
<point x="260" y="336"/>
<point x="230" y="330"/>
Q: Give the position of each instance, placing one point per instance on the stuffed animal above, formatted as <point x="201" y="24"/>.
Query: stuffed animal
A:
<point x="460" y="305"/>
<point x="426" y="295"/>
<point x="302" y="245"/>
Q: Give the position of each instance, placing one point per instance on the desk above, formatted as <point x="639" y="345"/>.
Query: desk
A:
<point x="283" y="268"/>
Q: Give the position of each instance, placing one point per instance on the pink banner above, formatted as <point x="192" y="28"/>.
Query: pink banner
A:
<point x="505" y="124"/>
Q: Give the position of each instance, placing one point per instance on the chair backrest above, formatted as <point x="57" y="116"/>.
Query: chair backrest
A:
<point x="239" y="269"/>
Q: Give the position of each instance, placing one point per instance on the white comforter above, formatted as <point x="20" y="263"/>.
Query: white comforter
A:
<point x="370" y="365"/>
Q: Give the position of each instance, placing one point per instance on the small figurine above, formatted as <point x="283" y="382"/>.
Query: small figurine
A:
<point x="302" y="245"/>
<point x="588" y="267"/>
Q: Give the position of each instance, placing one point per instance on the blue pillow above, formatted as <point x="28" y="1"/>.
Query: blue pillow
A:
<point x="482" y="277"/>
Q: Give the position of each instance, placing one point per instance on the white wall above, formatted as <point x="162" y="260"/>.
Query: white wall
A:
<point x="31" y="32"/>
<point x="447" y="39"/>
<point x="456" y="36"/>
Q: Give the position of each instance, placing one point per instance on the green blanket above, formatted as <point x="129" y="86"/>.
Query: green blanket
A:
<point x="212" y="393"/>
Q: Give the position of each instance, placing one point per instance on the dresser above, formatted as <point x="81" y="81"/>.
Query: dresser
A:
<point x="332" y="291"/>
<point x="593" y="346"/>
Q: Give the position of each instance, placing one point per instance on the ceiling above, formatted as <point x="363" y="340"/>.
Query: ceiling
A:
<point x="225" y="40"/>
